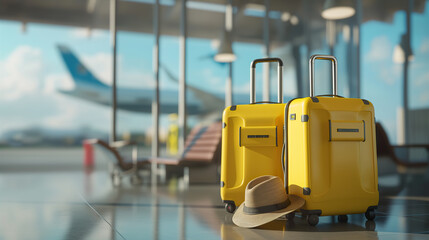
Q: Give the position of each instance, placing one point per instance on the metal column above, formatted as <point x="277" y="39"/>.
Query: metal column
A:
<point x="155" y="101"/>
<point x="407" y="53"/>
<point x="228" y="87"/>
<point x="357" y="36"/>
<point x="229" y="27"/>
<point x="298" y="69"/>
<point x="266" y="66"/>
<point x="113" y="4"/>
<point x="155" y="215"/>
<point x="331" y="39"/>
<point x="182" y="78"/>
<point x="182" y="221"/>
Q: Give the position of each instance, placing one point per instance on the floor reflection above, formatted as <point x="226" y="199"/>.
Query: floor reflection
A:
<point x="79" y="205"/>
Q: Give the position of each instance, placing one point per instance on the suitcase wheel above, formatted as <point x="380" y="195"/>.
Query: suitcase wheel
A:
<point x="313" y="220"/>
<point x="342" y="218"/>
<point x="290" y="216"/>
<point x="230" y="207"/>
<point x="370" y="214"/>
<point x="370" y="225"/>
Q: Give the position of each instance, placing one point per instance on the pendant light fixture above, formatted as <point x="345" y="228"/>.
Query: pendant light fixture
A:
<point x="338" y="9"/>
<point x="225" y="53"/>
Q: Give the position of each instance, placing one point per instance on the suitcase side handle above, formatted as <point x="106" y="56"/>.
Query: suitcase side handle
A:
<point x="279" y="74"/>
<point x="334" y="72"/>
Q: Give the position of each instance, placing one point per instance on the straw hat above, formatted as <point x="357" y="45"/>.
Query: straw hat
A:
<point x="265" y="200"/>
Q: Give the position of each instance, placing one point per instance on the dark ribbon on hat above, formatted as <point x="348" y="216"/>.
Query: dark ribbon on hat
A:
<point x="265" y="209"/>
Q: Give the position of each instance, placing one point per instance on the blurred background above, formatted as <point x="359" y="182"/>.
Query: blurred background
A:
<point x="60" y="62"/>
<point x="382" y="49"/>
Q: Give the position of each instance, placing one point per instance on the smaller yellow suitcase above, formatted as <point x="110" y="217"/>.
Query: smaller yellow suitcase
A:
<point x="252" y="139"/>
<point x="330" y="153"/>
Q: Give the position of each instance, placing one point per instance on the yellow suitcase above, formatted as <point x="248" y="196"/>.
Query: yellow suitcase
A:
<point x="252" y="139"/>
<point x="330" y="156"/>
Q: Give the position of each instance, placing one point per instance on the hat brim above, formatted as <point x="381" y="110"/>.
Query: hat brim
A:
<point x="245" y="220"/>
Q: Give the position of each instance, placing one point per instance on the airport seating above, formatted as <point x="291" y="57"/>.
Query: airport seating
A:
<point x="404" y="162"/>
<point x="120" y="166"/>
<point x="202" y="152"/>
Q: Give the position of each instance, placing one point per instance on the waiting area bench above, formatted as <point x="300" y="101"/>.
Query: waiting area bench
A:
<point x="403" y="161"/>
<point x="202" y="152"/>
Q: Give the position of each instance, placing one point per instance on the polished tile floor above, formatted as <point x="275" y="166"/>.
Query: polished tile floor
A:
<point x="75" y="204"/>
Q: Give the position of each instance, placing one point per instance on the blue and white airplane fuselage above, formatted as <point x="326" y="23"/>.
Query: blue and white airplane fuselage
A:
<point x="89" y="88"/>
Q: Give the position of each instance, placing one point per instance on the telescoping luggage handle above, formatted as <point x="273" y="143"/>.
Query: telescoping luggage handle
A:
<point x="334" y="72"/>
<point x="280" y="77"/>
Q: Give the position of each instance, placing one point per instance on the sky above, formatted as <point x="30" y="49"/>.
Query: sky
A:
<point x="382" y="78"/>
<point x="31" y="71"/>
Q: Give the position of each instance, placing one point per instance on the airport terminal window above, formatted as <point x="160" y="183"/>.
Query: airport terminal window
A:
<point x="378" y="71"/>
<point x="418" y="83"/>
<point x="135" y="82"/>
<point x="46" y="73"/>
<point x="36" y="87"/>
<point x="419" y="74"/>
<point x="241" y="79"/>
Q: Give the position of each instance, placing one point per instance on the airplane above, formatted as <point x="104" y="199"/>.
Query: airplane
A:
<point x="89" y="88"/>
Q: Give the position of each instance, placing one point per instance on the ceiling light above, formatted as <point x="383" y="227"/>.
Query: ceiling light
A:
<point x="225" y="53"/>
<point x="337" y="9"/>
<point x="285" y="16"/>
<point x="400" y="50"/>
<point x="294" y="20"/>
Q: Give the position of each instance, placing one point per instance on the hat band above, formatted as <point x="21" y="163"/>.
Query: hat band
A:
<point x="265" y="209"/>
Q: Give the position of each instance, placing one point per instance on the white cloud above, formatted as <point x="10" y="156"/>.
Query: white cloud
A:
<point x="53" y="82"/>
<point x="211" y="81"/>
<point x="77" y="113"/>
<point x="21" y="73"/>
<point x="389" y="74"/>
<point x="138" y="79"/>
<point x="214" y="44"/>
<point x="242" y="89"/>
<point x="424" y="48"/>
<point x="422" y="80"/>
<point x="424" y="98"/>
<point x="289" y="83"/>
<point x="87" y="33"/>
<point x="100" y="64"/>
<point x="381" y="50"/>
<point x="25" y="82"/>
<point x="66" y="117"/>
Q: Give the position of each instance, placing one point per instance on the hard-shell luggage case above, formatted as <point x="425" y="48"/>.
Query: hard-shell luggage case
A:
<point x="252" y="139"/>
<point x="330" y="156"/>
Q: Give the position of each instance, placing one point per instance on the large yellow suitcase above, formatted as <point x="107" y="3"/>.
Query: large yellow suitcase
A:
<point x="330" y="156"/>
<point x="252" y="139"/>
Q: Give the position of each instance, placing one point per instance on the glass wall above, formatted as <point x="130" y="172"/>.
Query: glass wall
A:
<point x="368" y="48"/>
<point x="42" y="99"/>
<point x="38" y="103"/>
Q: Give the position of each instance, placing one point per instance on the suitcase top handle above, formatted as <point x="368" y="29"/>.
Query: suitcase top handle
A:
<point x="334" y="72"/>
<point x="280" y="77"/>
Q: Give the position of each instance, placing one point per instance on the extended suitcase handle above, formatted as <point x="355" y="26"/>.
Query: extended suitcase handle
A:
<point x="280" y="77"/>
<point x="334" y="72"/>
